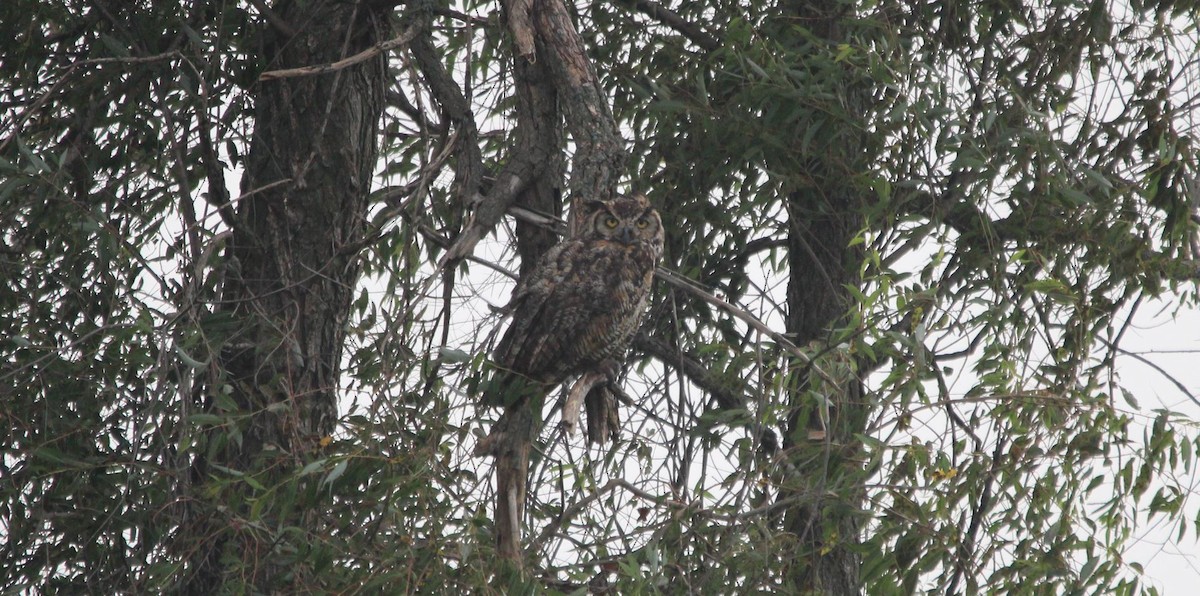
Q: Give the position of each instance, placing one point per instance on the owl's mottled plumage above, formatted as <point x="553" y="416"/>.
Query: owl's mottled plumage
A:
<point x="582" y="303"/>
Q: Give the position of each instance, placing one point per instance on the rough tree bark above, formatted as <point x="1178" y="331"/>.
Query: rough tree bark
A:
<point x="292" y="266"/>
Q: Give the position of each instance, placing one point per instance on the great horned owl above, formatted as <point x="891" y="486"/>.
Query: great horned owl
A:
<point x="583" y="301"/>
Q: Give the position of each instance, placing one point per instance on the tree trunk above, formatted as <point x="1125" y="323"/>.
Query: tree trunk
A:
<point x="827" y="405"/>
<point x="291" y="271"/>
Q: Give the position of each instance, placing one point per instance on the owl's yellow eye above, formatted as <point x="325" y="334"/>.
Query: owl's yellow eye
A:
<point x="642" y="223"/>
<point x="611" y="222"/>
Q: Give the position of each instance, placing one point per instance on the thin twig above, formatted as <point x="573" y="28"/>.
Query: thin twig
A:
<point x="462" y="16"/>
<point x="729" y="393"/>
<point x="671" y="19"/>
<point x="1183" y="388"/>
<point x="35" y="106"/>
<point x="130" y="59"/>
<point x="683" y="283"/>
<point x="379" y="48"/>
<point x="966" y="549"/>
<point x="575" y="508"/>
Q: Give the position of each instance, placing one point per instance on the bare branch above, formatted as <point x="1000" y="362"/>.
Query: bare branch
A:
<point x="680" y="282"/>
<point x="379" y="48"/>
<point x="728" y="398"/>
<point x="461" y="16"/>
<point x="671" y="19"/>
<point x="1182" y="388"/>
<point x="469" y="170"/>
<point x="490" y="209"/>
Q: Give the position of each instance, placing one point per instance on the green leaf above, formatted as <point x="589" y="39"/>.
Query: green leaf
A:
<point x="203" y="419"/>
<point x="335" y="473"/>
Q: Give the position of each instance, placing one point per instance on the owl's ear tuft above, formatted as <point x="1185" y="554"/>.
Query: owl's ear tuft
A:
<point x="593" y="205"/>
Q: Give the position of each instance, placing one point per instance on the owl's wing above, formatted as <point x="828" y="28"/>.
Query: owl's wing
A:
<point x="529" y="306"/>
<point x="521" y="366"/>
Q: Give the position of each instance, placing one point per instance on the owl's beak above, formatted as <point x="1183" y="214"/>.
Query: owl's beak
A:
<point x="625" y="235"/>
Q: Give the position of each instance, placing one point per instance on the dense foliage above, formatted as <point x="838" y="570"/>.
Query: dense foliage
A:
<point x="1021" y="177"/>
